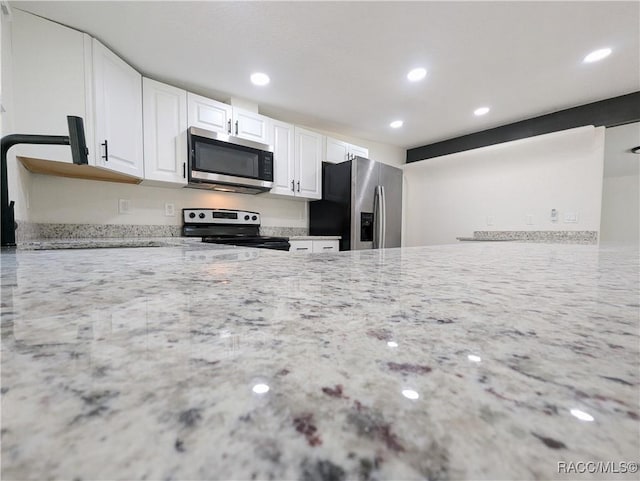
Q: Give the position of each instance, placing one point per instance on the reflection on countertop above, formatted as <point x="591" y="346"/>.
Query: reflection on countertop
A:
<point x="198" y="361"/>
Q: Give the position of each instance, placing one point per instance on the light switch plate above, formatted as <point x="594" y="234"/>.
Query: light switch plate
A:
<point x="570" y="218"/>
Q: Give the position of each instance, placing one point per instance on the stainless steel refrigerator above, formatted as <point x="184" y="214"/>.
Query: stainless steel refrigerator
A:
<point x="362" y="202"/>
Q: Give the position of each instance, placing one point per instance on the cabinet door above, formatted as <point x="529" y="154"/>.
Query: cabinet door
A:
<point x="118" y="113"/>
<point x="354" y="150"/>
<point x="48" y="78"/>
<point x="208" y="114"/>
<point x="335" y="150"/>
<point x="308" y="163"/>
<point x="304" y="246"/>
<point x="283" y="158"/>
<point x="165" y="132"/>
<point x="250" y="125"/>
<point x="325" y="246"/>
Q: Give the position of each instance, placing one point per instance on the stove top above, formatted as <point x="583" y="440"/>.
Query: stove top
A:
<point x="229" y="227"/>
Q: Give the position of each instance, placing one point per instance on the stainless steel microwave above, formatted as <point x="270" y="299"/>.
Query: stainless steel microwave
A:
<point x="229" y="164"/>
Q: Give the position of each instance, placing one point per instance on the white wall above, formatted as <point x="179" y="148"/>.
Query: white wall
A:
<point x="17" y="175"/>
<point x="454" y="195"/>
<point x="620" y="212"/>
<point x="621" y="185"/>
<point x="76" y="201"/>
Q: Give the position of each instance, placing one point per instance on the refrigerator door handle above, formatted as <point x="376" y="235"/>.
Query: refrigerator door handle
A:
<point x="376" y="221"/>
<point x="383" y="218"/>
<point x="378" y="217"/>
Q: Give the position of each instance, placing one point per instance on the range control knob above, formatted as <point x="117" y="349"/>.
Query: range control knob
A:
<point x="255" y="217"/>
<point x="201" y="215"/>
<point x="246" y="217"/>
<point x="192" y="215"/>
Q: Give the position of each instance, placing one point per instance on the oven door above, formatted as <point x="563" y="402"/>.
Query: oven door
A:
<point x="219" y="159"/>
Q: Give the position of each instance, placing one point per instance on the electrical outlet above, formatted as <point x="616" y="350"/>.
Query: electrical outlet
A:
<point x="489" y="220"/>
<point x="554" y="215"/>
<point x="124" y="206"/>
<point x="529" y="219"/>
<point x="169" y="210"/>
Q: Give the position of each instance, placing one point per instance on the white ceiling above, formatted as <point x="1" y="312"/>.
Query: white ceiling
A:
<point x="341" y="66"/>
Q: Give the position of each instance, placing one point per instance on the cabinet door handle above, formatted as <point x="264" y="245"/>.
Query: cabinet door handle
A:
<point x="229" y="126"/>
<point x="298" y="186"/>
<point x="106" y="150"/>
<point x="292" y="186"/>
<point x="184" y="170"/>
<point x="328" y="247"/>
<point x="302" y="248"/>
<point x="236" y="127"/>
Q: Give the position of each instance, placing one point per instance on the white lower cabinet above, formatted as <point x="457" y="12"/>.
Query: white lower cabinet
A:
<point x="314" y="246"/>
<point x="305" y="246"/>
<point x="165" y="132"/>
<point x="325" y="246"/>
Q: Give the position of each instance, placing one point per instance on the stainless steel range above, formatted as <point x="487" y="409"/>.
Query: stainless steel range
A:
<point x="230" y="227"/>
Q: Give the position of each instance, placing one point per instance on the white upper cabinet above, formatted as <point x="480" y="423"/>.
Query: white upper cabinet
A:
<point x="283" y="158"/>
<point x="356" y="151"/>
<point x="336" y="151"/>
<point x="219" y="117"/>
<point x="165" y="132"/>
<point x="48" y="73"/>
<point x="58" y="71"/>
<point x="308" y="163"/>
<point x="118" y="112"/>
<point x="250" y="125"/>
<point x="297" y="155"/>
<point x="208" y="114"/>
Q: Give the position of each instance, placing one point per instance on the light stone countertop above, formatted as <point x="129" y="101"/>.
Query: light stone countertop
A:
<point x="152" y="363"/>
<point x="315" y="237"/>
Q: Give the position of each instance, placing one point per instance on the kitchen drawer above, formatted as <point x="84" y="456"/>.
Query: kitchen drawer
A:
<point x="326" y="246"/>
<point x="301" y="246"/>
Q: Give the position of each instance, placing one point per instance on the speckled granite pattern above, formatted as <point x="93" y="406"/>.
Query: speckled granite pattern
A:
<point x="548" y="236"/>
<point x="107" y="242"/>
<point x="283" y="231"/>
<point x="152" y="363"/>
<point x="34" y="231"/>
<point x="28" y="231"/>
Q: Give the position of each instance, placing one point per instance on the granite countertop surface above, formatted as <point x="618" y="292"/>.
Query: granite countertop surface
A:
<point x="202" y="362"/>
<point x="315" y="237"/>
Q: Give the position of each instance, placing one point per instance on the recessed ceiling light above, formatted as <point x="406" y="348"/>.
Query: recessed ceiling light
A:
<point x="396" y="124"/>
<point x="481" y="111"/>
<point x="260" y="78"/>
<point x="417" y="74"/>
<point x="597" y="55"/>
